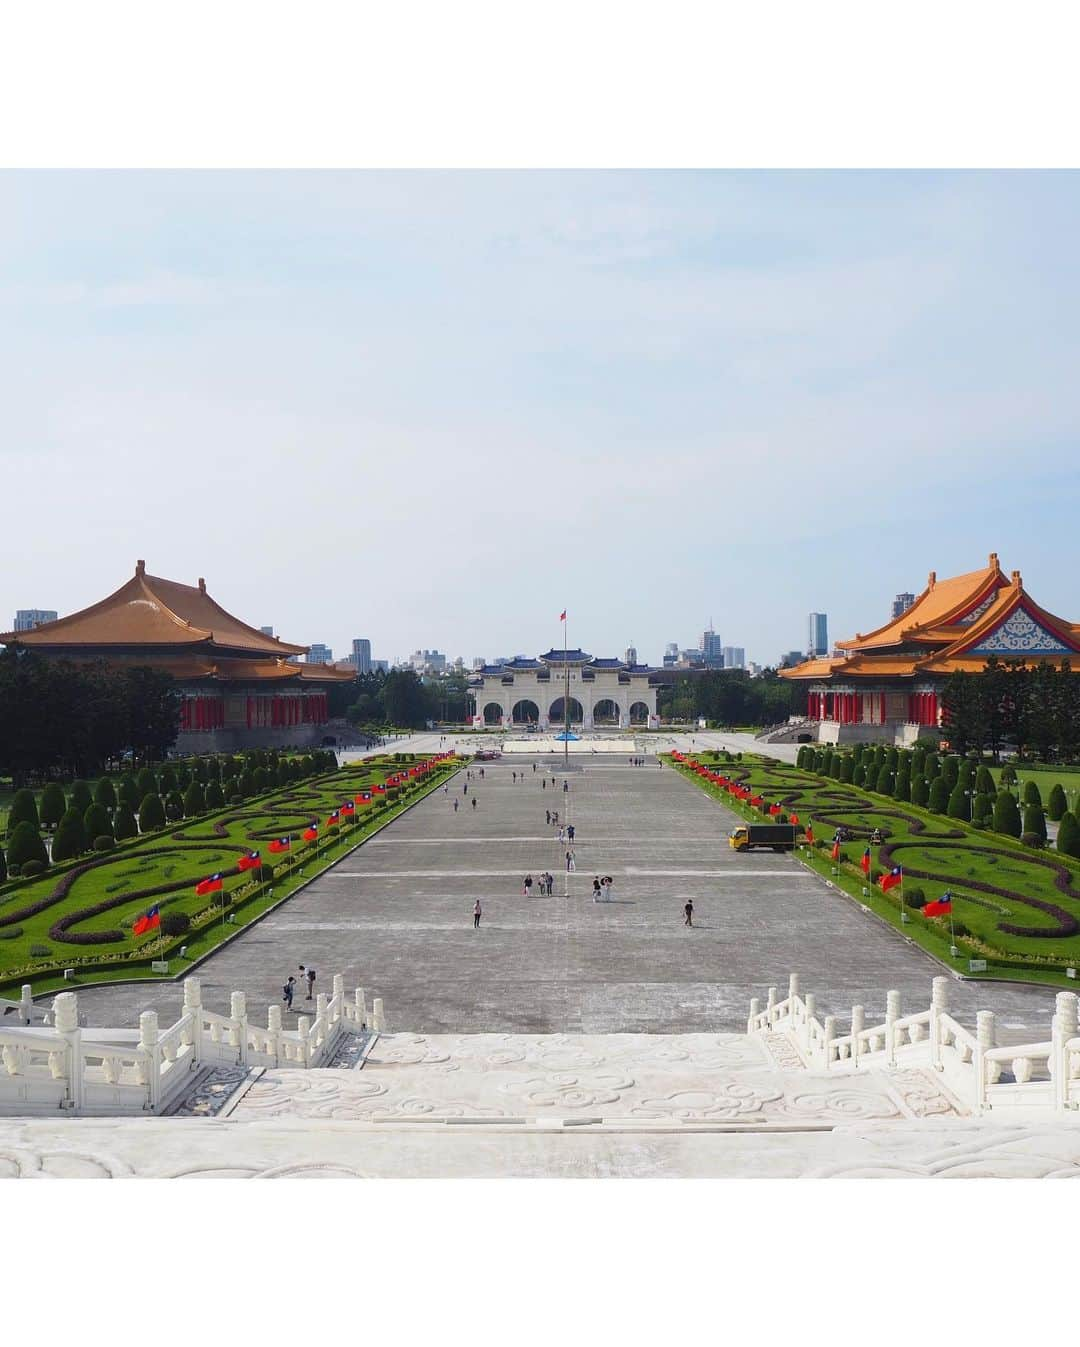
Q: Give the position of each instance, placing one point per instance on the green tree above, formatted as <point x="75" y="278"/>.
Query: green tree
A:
<point x="1068" y="837"/>
<point x="902" y="788"/>
<point x="105" y="794"/>
<point x="3" y="866"/>
<point x="70" y="840"/>
<point x="932" y="766"/>
<point x="847" y="767"/>
<point x="858" y="776"/>
<point x="194" y="800"/>
<point x="959" y="803"/>
<point x="124" y="823"/>
<point x="174" y="806"/>
<point x="883" y="784"/>
<point x="1057" y="803"/>
<point x="81" y="796"/>
<point x="166" y="780"/>
<point x="127" y="793"/>
<point x="146" y="783"/>
<point x="950" y="770"/>
<point x="24" y="844"/>
<point x="53" y="805"/>
<point x="96" y="822"/>
<point x="981" y="809"/>
<point x="939" y="795"/>
<point x="1007" y="815"/>
<point x="984" y="781"/>
<point x="1008" y="775"/>
<point x="215" y="796"/>
<point x="151" y="813"/>
<point x="920" y="791"/>
<point x="23" y="810"/>
<point x="1031" y="793"/>
<point x="1035" y="821"/>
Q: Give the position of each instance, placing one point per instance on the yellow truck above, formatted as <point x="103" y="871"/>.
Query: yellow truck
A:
<point x="749" y="836"/>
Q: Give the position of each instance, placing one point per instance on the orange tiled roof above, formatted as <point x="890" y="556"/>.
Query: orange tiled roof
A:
<point x="153" y="612"/>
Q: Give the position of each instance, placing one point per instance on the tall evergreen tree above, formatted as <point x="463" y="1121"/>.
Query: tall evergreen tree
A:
<point x="1031" y="793"/>
<point x="984" y="781"/>
<point x="70" y="840"/>
<point x="96" y="822"/>
<point x="939" y="795"/>
<point x="1035" y="821"/>
<point x="80" y="796"/>
<point x="884" y="783"/>
<point x="959" y="803"/>
<point x="124" y="823"/>
<point x="127" y="792"/>
<point x="1007" y="815"/>
<point x="151" y="813"/>
<point x="23" y="810"/>
<point x="1068" y="836"/>
<point x="920" y="791"/>
<point x="105" y="793"/>
<point x="194" y="800"/>
<point x="53" y="805"/>
<point x="1056" y="804"/>
<point x="24" y="844"/>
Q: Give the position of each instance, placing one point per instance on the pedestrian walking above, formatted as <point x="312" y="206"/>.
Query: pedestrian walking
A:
<point x="562" y="834"/>
<point x="474" y="801"/>
<point x="544" y="783"/>
<point x="688" y="912"/>
<point x="550" y="882"/>
<point x="565" y="786"/>
<point x="456" y="803"/>
<point x="477" y="913"/>
<point x="570" y="832"/>
<point x="287" y="992"/>
<point x="514" y="775"/>
<point x="526" y="885"/>
<point x="547" y="816"/>
<point x="570" y="865"/>
<point x="465" y="788"/>
<point x="310" y="982"/>
<point x="596" y="888"/>
<point x="534" y="769"/>
<point x="554" y="816"/>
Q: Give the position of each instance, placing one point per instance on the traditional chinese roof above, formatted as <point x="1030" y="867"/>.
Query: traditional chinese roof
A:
<point x="566" y="657"/>
<point x="954" y="625"/>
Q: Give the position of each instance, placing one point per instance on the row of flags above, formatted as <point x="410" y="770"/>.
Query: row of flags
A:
<point x="940" y="907"/>
<point x="151" y="920"/>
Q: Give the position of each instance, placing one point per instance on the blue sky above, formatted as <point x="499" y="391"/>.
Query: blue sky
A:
<point x="435" y="408"/>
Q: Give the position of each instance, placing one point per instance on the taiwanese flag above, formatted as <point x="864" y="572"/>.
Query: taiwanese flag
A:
<point x="865" y="862"/>
<point x="755" y="800"/>
<point x="348" y="807"/>
<point x="149" y="921"/>
<point x="249" y="862"/>
<point x="562" y="616"/>
<point x="280" y="844"/>
<point x="211" y="885"/>
<point x="810" y="833"/>
<point x="794" y="818"/>
<point x="311" y="832"/>
<point x="941" y="908"/>
<point x="363" y="798"/>
<point x="774" y="809"/>
<point x="334" y="819"/>
<point x="890" y="881"/>
<point x="836" y="851"/>
<point x="380" y="789"/>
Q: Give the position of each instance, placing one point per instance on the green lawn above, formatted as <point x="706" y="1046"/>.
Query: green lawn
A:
<point x="102" y="895"/>
<point x="1046" y="778"/>
<point x="996" y="883"/>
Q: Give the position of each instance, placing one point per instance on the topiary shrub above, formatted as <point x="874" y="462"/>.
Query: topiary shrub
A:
<point x="265" y="872"/>
<point x="24" y="845"/>
<point x="23" y="810"/>
<point x="236" y="799"/>
<point x="1033" y="840"/>
<point x="215" y="798"/>
<point x="166" y="780"/>
<point x="10" y="932"/>
<point x="146" y="783"/>
<point x="127" y="792"/>
<point x="40" y="951"/>
<point x="920" y="791"/>
<point x="194" y="800"/>
<point x="1057" y="803"/>
<point x="104" y="843"/>
<point x="31" y="869"/>
<point x="71" y="839"/>
<point x="858" y="776"/>
<point x="959" y="803"/>
<point x="1007" y="815"/>
<point x="984" y="781"/>
<point x="53" y="805"/>
<point x="105" y="793"/>
<point x="1068" y="837"/>
<point x="1035" y="822"/>
<point x="81" y="797"/>
<point x="902" y="789"/>
<point x="175" y="923"/>
<point x="915" y="898"/>
<point x="124" y="823"/>
<point x="1031" y="793"/>
<point x="3" y="866"/>
<point x="174" y="806"/>
<point x="96" y="821"/>
<point x="938" y="800"/>
<point x="1008" y="775"/>
<point x="151" y="814"/>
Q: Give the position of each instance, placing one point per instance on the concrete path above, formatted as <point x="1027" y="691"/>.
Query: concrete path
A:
<point x="395" y="917"/>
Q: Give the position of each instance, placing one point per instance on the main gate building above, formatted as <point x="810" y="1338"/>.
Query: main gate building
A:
<point x="603" y="692"/>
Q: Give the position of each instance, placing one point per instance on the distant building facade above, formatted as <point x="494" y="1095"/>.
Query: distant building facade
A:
<point x="320" y="654"/>
<point x="361" y="650"/>
<point x="817" y="634"/>
<point x="712" y="652"/>
<point x="530" y="692"/>
<point x="734" y="657"/>
<point x="267" y="631"/>
<point x="26" y="619"/>
<point x="901" y="604"/>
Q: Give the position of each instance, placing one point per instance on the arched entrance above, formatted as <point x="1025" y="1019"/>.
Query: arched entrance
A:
<point x="493" y="714"/>
<point x="555" y="712"/>
<point x="606" y="712"/>
<point x="639" y="713"/>
<point x="525" y="713"/>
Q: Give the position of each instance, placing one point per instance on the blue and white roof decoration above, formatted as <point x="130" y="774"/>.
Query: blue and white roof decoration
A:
<point x="1020" y="634"/>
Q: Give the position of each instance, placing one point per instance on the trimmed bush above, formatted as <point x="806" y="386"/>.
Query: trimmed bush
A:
<point x="166" y="780"/>
<point x="959" y="803"/>
<point x="33" y="868"/>
<point x="23" y="810"/>
<point x="96" y="821"/>
<point x="1032" y="840"/>
<point x="265" y="872"/>
<point x="104" y="843"/>
<point x="938" y="801"/>
<point x="984" y="782"/>
<point x="1068" y="838"/>
<point x="902" y="789"/>
<point x="1007" y="815"/>
<point x="105" y="793"/>
<point x="981" y="810"/>
<point x="920" y="791"/>
<point x="175" y="923"/>
<point x="81" y="797"/>
<point x="174" y="806"/>
<point x="124" y="823"/>
<point x="1031" y="793"/>
<point x="71" y="839"/>
<point x="1008" y="775"/>
<point x="194" y="800"/>
<point x="146" y="783"/>
<point x="950" y="770"/>
<point x="53" y="805"/>
<point x="915" y="898"/>
<point x="127" y="792"/>
<point x="151" y="813"/>
<point x="932" y="766"/>
<point x="858" y="776"/>
<point x="24" y="844"/>
<point x="884" y="782"/>
<point x="1035" y="821"/>
<point x="1057" y="803"/>
<point x="215" y="798"/>
<point x="40" y="951"/>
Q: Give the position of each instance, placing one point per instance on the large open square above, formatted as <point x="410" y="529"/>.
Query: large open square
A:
<point x="396" y="917"/>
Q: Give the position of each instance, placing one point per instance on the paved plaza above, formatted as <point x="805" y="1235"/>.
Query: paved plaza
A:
<point x="395" y="917"/>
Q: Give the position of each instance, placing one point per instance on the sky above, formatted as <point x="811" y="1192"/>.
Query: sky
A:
<point x="434" y="409"/>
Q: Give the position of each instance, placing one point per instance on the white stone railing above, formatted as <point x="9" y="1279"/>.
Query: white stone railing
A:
<point x="22" y="1011"/>
<point x="982" y="1074"/>
<point x="58" y="1066"/>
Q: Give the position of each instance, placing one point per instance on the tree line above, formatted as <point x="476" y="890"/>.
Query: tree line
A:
<point x="1032" y="708"/>
<point x="401" y="698"/>
<point x="732" y="697"/>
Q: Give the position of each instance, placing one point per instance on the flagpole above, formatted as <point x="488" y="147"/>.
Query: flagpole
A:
<point x="566" y="700"/>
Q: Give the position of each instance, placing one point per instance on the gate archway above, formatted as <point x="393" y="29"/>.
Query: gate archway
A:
<point x="555" y="712"/>
<point x="606" y="712"/>
<point x="493" y="714"/>
<point x="639" y="714"/>
<point x="525" y="712"/>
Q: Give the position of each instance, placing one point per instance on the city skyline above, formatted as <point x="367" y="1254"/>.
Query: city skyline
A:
<point x="649" y="338"/>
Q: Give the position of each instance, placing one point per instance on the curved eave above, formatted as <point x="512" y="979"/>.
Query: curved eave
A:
<point x="939" y="605"/>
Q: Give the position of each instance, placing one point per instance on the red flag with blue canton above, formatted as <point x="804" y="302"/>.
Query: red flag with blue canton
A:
<point x="280" y="844"/>
<point x="147" y="921"/>
<point x="249" y="862"/>
<point x="211" y="885"/>
<point x="890" y="881"/>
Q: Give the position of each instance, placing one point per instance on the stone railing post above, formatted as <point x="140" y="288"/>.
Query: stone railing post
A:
<point x="939" y="1004"/>
<point x="193" y="1034"/>
<point x="810" y="1002"/>
<point x="339" y="995"/>
<point x="66" y="1025"/>
<point x="1064" y="1027"/>
<point x="26" y="1004"/>
<point x="985" y="1038"/>
<point x="303" y="1029"/>
<point x="148" y="1041"/>
<point x="830" y="1034"/>
<point x="858" y="1024"/>
<point x="273" y="1029"/>
<point x="792" y="991"/>
<point x="322" y="1025"/>
<point x="378" y="1017"/>
<point x="892" y="1014"/>
<point x="770" y="1006"/>
<point x="238" y="1013"/>
<point x="361" y="1008"/>
<point x="755" y="1010"/>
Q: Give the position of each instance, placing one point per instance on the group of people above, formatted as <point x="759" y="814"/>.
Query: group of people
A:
<point x="301" y="978"/>
<point x="545" y="881"/>
<point x="601" y="889"/>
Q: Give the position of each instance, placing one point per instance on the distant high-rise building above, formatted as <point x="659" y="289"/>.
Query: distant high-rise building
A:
<point x="267" y="631"/>
<point x="320" y="654"/>
<point x="901" y="604"/>
<point x="792" y="658"/>
<point x="817" y="634"/>
<point x="630" y="655"/>
<point x="479" y="661"/>
<point x="26" y="619"/>
<point x="734" y="657"/>
<point x="380" y="666"/>
<point x="361" y="650"/>
<point x="672" y="648"/>
<point x="688" y="658"/>
<point x="711" y="650"/>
